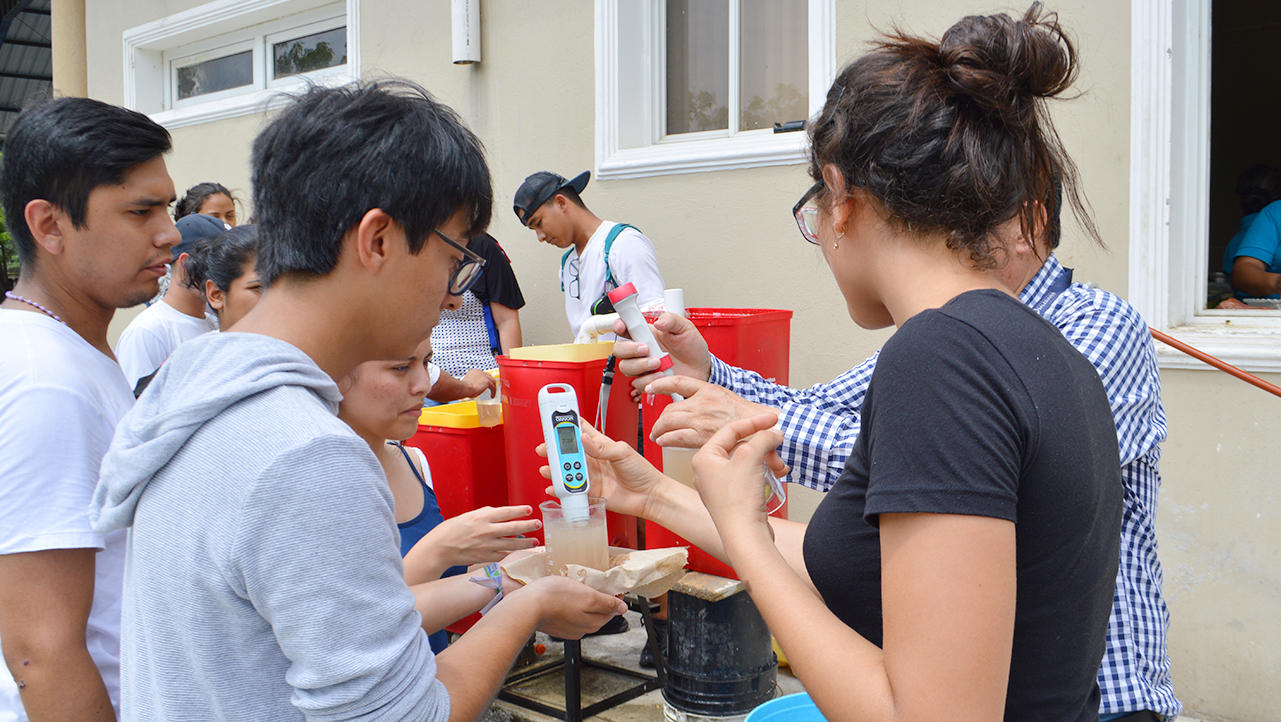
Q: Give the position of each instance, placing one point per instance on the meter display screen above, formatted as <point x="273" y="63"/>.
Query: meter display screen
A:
<point x="568" y="445"/>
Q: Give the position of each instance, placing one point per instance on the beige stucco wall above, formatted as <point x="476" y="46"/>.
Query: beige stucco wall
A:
<point x="1221" y="544"/>
<point x="67" y="20"/>
<point x="727" y="238"/>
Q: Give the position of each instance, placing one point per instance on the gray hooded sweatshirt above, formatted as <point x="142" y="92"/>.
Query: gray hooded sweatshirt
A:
<point x="263" y="579"/>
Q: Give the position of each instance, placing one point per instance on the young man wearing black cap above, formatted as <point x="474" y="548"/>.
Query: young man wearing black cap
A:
<point x="177" y="317"/>
<point x="601" y="255"/>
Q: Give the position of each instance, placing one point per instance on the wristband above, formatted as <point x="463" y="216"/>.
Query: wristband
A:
<point x="492" y="580"/>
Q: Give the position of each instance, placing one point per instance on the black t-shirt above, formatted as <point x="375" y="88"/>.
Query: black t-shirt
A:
<point x="498" y="283"/>
<point x="983" y="408"/>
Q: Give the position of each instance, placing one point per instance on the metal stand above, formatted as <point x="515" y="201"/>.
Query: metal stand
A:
<point x="573" y="664"/>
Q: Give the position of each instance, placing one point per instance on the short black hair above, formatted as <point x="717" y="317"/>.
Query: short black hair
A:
<point x="570" y="194"/>
<point x="60" y="149"/>
<point x="1258" y="187"/>
<point x="196" y="196"/>
<point x="221" y="259"/>
<point x="334" y="154"/>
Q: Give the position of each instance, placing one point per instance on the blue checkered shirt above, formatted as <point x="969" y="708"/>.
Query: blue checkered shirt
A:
<point x="820" y="424"/>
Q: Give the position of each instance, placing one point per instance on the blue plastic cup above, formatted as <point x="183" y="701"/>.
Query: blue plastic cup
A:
<point x="792" y="708"/>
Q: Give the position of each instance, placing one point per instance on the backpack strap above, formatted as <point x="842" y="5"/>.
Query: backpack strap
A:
<point x="563" y="259"/>
<point x="609" y="243"/>
<point x="495" y="344"/>
<point x="610" y="283"/>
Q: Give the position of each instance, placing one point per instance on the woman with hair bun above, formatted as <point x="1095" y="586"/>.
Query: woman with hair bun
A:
<point x="211" y="199"/>
<point x="963" y="566"/>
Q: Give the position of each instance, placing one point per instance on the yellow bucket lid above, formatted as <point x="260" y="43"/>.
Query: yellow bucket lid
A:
<point x="458" y="415"/>
<point x="572" y="352"/>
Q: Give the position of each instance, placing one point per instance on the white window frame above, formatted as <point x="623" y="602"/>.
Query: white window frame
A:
<point x="191" y="56"/>
<point x="151" y="49"/>
<point x="636" y="110"/>
<point x="293" y="33"/>
<point x="1169" y="192"/>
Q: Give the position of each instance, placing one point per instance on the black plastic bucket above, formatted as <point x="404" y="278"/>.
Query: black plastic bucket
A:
<point x="720" y="661"/>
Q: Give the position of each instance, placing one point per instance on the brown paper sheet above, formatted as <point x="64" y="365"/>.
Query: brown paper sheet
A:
<point x="648" y="573"/>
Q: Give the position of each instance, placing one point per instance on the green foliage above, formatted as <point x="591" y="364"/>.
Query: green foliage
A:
<point x="786" y="104"/>
<point x="299" y="58"/>
<point x="8" y="257"/>
<point x="706" y="113"/>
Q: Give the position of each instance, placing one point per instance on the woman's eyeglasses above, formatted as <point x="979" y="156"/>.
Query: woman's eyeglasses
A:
<point x="468" y="270"/>
<point x="806" y="213"/>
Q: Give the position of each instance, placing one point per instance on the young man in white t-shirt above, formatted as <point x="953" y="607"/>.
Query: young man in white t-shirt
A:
<point x="594" y="263"/>
<point x="86" y="197"/>
<point x="177" y="317"/>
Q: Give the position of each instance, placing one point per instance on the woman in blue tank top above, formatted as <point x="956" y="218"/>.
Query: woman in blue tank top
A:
<point x="382" y="401"/>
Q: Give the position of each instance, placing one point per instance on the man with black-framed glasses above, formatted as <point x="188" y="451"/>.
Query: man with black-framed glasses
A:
<point x="599" y="255"/>
<point x="264" y="578"/>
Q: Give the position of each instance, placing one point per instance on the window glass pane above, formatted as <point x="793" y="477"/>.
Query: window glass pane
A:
<point x="773" y="63"/>
<point x="211" y="76"/>
<point x="313" y="52"/>
<point x="697" y="65"/>
<point x="1245" y="149"/>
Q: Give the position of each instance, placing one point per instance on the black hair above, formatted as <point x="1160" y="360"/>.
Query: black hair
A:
<point x="1258" y="187"/>
<point x="196" y="197"/>
<point x="222" y="259"/>
<point x="953" y="136"/>
<point x="59" y="150"/>
<point x="334" y="154"/>
<point x="570" y="194"/>
<point x="1054" y="215"/>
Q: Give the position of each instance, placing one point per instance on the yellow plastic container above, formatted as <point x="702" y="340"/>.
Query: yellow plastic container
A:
<point x="571" y="352"/>
<point x="458" y="415"/>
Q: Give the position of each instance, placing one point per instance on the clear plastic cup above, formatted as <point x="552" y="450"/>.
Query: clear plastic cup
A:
<point x="678" y="464"/>
<point x="582" y="541"/>
<point x="490" y="411"/>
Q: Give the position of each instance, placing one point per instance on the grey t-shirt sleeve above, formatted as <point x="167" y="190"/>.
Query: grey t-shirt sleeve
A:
<point x="317" y="554"/>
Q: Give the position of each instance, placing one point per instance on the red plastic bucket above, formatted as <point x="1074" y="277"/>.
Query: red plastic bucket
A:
<point x="757" y="339"/>
<point x="468" y="466"/>
<point x="521" y="380"/>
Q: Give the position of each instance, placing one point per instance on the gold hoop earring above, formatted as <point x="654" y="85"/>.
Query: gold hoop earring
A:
<point x="839" y="236"/>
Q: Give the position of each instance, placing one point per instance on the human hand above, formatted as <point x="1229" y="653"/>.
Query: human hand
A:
<point x="706" y="409"/>
<point x="617" y="473"/>
<point x="729" y="473"/>
<point x="477" y="382"/>
<point x="678" y="336"/>
<point x="568" y="609"/>
<point x="479" y="536"/>
<point x="1233" y="304"/>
